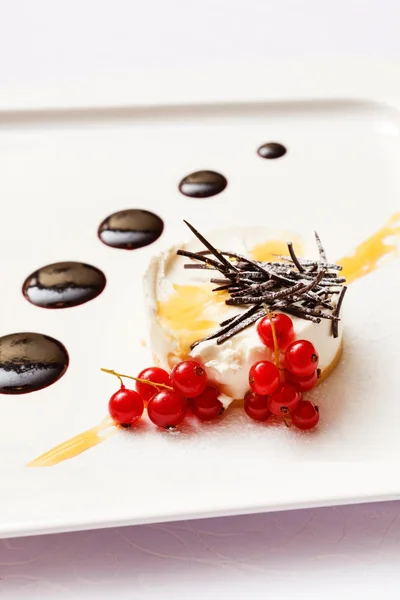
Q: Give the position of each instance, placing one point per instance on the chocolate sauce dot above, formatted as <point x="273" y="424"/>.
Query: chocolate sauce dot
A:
<point x="203" y="184"/>
<point x="271" y="150"/>
<point x="30" y="362"/>
<point x="63" y="284"/>
<point x="130" y="229"/>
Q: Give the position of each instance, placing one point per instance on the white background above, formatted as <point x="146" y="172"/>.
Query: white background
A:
<point x="64" y="40"/>
<point x="348" y="552"/>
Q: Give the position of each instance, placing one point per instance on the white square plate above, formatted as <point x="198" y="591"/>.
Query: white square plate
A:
<point x="63" y="171"/>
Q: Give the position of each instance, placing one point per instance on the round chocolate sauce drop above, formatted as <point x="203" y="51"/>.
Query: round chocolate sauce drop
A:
<point x="271" y="150"/>
<point x="64" y="284"/>
<point x="203" y="184"/>
<point x="130" y="229"/>
<point x="30" y="362"/>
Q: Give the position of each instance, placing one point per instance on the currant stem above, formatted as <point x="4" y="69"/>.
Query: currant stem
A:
<point x="120" y="380"/>
<point x="275" y="339"/>
<point x="120" y="375"/>
<point x="286" y="416"/>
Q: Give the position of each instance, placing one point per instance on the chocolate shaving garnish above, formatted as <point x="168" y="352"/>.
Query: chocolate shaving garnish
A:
<point x="316" y="313"/>
<point x="294" y="257"/>
<point x="266" y="296"/>
<point x="194" y="266"/>
<point x="240" y="326"/>
<point x="320" y="248"/>
<point x="222" y="288"/>
<point x="209" y="261"/>
<point x="229" y="320"/>
<point x="209" y="246"/>
<point x="297" y="313"/>
<point x="253" y="275"/>
<point x="300" y="287"/>
<point x="336" y="312"/>
<point x="221" y="281"/>
<point x="305" y="262"/>
<point x="313" y="297"/>
<point x="247" y="261"/>
<point x="231" y="323"/>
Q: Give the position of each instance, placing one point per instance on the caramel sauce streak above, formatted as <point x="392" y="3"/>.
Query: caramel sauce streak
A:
<point x="268" y="251"/>
<point x="184" y="312"/>
<point x="370" y="254"/>
<point x="76" y="445"/>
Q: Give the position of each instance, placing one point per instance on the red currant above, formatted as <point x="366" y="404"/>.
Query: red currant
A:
<point x="166" y="409"/>
<point x="256" y="406"/>
<point x="283" y="328"/>
<point x="155" y="375"/>
<point x="306" y="415"/>
<point x="125" y="406"/>
<point x="206" y="406"/>
<point x="302" y="384"/>
<point x="286" y="397"/>
<point x="301" y="358"/>
<point x="189" y="378"/>
<point x="263" y="377"/>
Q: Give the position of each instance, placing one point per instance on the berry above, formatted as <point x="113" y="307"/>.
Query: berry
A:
<point x="283" y="328"/>
<point x="306" y="415"/>
<point x="125" y="406"/>
<point x="302" y="384"/>
<point x="206" y="406"/>
<point x="155" y="375"/>
<point x="189" y="378"/>
<point x="301" y="358"/>
<point x="167" y="409"/>
<point x="263" y="377"/>
<point x="256" y="406"/>
<point x="285" y="398"/>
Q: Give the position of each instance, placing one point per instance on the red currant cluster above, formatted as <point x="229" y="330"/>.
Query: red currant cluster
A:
<point x="276" y="388"/>
<point x="167" y="396"/>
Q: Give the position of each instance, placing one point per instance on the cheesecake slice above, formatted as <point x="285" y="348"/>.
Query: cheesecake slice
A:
<point x="190" y="316"/>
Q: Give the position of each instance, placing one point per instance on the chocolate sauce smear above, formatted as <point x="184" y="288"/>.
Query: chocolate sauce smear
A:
<point x="271" y="150"/>
<point x="30" y="362"/>
<point x="130" y="229"/>
<point x="203" y="184"/>
<point x="64" y="284"/>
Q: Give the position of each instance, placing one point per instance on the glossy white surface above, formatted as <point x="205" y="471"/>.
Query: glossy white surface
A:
<point x="79" y="167"/>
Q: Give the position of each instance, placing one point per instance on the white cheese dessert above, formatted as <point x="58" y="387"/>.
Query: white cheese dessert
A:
<point x="183" y="309"/>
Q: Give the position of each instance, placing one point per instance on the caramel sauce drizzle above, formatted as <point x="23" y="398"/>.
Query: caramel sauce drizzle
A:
<point x="379" y="248"/>
<point x="185" y="312"/>
<point x="76" y="445"/>
<point x="268" y="251"/>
